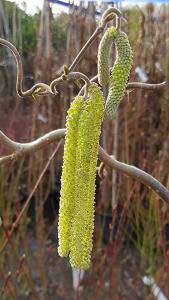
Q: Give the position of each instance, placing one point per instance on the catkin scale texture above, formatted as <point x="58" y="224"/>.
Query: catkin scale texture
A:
<point x="87" y="152"/>
<point x="104" y="54"/>
<point x="119" y="74"/>
<point x="67" y="198"/>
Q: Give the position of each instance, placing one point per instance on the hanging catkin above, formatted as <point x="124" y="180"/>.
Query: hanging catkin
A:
<point x="87" y="152"/>
<point x="104" y="55"/>
<point x="68" y="196"/>
<point x="119" y="74"/>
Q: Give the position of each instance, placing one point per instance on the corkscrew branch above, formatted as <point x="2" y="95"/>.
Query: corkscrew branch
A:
<point x="21" y="149"/>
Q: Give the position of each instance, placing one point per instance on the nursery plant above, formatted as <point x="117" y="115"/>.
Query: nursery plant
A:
<point x="82" y="134"/>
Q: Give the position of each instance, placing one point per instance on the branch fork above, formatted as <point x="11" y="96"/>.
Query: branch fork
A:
<point x="41" y="89"/>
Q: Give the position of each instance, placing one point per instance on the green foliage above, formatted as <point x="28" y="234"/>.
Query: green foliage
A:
<point x="133" y="30"/>
<point x="25" y="26"/>
<point x="59" y="25"/>
<point x="29" y="27"/>
<point x="145" y="224"/>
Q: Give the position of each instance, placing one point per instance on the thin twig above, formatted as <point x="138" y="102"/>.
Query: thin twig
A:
<point x="139" y="85"/>
<point x="37" y="89"/>
<point x="134" y="85"/>
<point x="146" y="86"/>
<point x="108" y="12"/>
<point x="15" y="224"/>
<point x="78" y="75"/>
<point x="23" y="267"/>
<point x="71" y="75"/>
<point x="135" y="173"/>
<point x="7" y="281"/>
<point x="107" y="16"/>
<point x="85" y="47"/>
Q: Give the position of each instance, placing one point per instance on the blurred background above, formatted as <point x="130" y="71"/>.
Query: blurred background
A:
<point x="131" y="237"/>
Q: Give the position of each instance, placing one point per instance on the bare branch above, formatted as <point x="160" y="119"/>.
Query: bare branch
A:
<point x="140" y="85"/>
<point x="78" y="75"/>
<point x="37" y="89"/>
<point x="135" y="173"/>
<point x="71" y="75"/>
<point x="108" y="16"/>
<point x="21" y="149"/>
<point x="108" y="12"/>
<point x="146" y="86"/>
<point x="85" y="47"/>
<point x="27" y="148"/>
<point x="135" y="85"/>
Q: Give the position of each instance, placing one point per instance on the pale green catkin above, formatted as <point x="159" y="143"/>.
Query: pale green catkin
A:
<point x="68" y="198"/>
<point x="87" y="153"/>
<point x="104" y="55"/>
<point x="119" y="74"/>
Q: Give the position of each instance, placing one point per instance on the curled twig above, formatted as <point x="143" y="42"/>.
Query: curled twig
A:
<point x="37" y="89"/>
<point x="78" y="75"/>
<point x="54" y="83"/>
<point x="101" y="170"/>
<point x="68" y="76"/>
<point x="108" y="14"/>
<point x="111" y="10"/>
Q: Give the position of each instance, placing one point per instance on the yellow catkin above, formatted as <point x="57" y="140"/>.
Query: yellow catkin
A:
<point x="104" y="55"/>
<point x="87" y="152"/>
<point x="119" y="74"/>
<point x="67" y="198"/>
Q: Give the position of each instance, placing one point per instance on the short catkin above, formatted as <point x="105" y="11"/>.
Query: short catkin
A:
<point x="104" y="55"/>
<point x="119" y="74"/>
<point x="68" y="198"/>
<point x="87" y="153"/>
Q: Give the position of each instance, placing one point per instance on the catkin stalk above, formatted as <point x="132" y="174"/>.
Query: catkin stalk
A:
<point x="68" y="198"/>
<point x="87" y="152"/>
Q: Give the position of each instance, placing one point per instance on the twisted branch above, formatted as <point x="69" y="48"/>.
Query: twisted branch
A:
<point x="107" y="16"/>
<point x="37" y="89"/>
<point x="22" y="149"/>
<point x="72" y="75"/>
